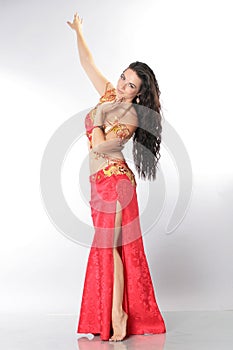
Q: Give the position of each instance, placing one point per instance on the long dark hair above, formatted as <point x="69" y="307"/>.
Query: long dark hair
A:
<point x="147" y="137"/>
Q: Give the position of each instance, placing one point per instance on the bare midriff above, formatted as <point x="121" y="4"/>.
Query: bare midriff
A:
<point x="99" y="161"/>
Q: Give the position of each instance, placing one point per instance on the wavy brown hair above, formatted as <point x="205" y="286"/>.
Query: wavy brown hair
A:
<point x="147" y="137"/>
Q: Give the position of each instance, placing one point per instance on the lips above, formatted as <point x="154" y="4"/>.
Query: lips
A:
<point x="119" y="91"/>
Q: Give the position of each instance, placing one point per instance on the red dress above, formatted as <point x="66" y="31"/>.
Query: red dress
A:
<point x="114" y="183"/>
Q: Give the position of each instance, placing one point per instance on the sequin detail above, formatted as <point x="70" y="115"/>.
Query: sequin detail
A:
<point x="119" y="129"/>
<point x="109" y="96"/>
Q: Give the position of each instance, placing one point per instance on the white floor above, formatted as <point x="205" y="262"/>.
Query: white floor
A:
<point x="200" y="330"/>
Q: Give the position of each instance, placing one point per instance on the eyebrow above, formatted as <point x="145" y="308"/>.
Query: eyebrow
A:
<point x="123" y="73"/>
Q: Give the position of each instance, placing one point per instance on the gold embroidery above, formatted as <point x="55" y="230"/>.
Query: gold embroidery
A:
<point x="109" y="95"/>
<point x="116" y="168"/>
<point x="119" y="169"/>
<point x="119" y="129"/>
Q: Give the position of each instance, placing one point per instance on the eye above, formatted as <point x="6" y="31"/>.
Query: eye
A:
<point x="132" y="86"/>
<point x="122" y="76"/>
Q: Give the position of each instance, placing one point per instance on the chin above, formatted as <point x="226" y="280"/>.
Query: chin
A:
<point x="119" y="94"/>
<point x="120" y="97"/>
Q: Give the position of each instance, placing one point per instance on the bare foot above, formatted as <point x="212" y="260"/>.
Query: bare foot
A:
<point x="119" y="327"/>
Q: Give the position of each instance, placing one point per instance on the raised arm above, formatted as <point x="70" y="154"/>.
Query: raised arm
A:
<point x="97" y="78"/>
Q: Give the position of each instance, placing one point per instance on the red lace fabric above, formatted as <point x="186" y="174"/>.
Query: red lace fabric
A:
<point x="114" y="183"/>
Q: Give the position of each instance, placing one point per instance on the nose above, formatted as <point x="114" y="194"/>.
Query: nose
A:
<point x="123" y="85"/>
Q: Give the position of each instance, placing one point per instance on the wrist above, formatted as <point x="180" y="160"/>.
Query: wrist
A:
<point x="101" y="127"/>
<point x="78" y="31"/>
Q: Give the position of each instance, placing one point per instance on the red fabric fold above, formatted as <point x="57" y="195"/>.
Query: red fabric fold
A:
<point x="139" y="299"/>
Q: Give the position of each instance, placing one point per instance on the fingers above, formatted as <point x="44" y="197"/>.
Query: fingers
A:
<point x="77" y="21"/>
<point x="77" y="17"/>
<point x="117" y="144"/>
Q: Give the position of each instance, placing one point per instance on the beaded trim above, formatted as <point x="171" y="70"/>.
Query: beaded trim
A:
<point x="116" y="168"/>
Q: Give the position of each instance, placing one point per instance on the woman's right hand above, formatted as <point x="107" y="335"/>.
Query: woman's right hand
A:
<point x="77" y="23"/>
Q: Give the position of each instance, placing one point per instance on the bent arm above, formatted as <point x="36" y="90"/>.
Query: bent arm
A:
<point x="111" y="142"/>
<point x="98" y="136"/>
<point x="86" y="59"/>
<point x="99" y="142"/>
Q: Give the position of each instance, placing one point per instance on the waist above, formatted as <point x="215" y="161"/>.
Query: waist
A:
<point x="114" y="168"/>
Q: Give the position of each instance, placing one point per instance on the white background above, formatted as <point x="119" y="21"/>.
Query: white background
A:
<point x="188" y="45"/>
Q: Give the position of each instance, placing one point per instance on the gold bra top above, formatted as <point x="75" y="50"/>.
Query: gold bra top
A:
<point x="118" y="128"/>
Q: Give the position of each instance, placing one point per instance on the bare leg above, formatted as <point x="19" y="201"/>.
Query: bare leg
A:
<point x="119" y="317"/>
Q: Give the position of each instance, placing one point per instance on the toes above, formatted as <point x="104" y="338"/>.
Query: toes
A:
<point x="116" y="338"/>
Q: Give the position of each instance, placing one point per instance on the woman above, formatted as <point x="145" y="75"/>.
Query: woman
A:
<point x="118" y="295"/>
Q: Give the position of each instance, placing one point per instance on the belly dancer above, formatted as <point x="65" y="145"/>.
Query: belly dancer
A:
<point x="118" y="295"/>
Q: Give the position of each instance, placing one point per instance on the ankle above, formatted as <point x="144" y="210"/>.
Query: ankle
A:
<point x="117" y="313"/>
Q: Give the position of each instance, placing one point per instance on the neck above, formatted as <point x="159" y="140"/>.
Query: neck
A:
<point x="122" y="99"/>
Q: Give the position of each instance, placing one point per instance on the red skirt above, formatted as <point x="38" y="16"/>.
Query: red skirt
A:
<point x="116" y="183"/>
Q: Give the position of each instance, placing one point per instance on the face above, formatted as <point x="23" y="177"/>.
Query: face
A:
<point x="128" y="85"/>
